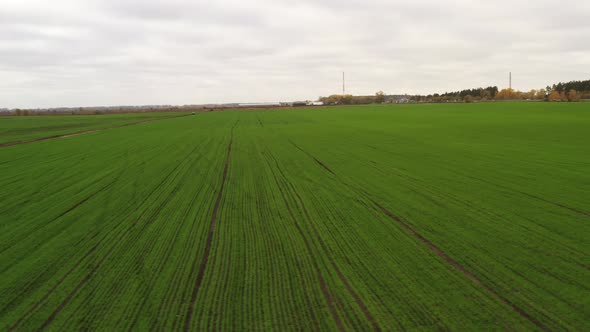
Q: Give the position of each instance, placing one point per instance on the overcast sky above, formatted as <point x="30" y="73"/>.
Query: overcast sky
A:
<point x="125" y="52"/>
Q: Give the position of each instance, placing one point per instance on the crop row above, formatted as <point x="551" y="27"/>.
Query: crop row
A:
<point x="340" y="219"/>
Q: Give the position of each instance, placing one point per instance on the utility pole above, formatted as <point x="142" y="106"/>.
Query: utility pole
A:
<point x="343" y="85"/>
<point x="510" y="80"/>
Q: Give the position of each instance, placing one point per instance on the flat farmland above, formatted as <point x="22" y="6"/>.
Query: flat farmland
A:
<point x="404" y="217"/>
<point x="22" y="129"/>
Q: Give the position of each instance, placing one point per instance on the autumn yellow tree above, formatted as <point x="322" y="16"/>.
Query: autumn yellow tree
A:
<point x="507" y="94"/>
<point x="554" y="96"/>
<point x="573" y="95"/>
<point x="563" y="96"/>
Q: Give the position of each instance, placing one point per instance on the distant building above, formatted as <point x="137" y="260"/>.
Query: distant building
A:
<point x="315" y="103"/>
<point x="259" y="104"/>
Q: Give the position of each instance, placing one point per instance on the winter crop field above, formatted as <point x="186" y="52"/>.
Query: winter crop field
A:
<point x="22" y="129"/>
<point x="405" y="217"/>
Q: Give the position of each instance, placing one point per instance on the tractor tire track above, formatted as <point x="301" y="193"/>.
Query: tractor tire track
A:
<point x="78" y="263"/>
<point x="121" y="236"/>
<point x="165" y="259"/>
<point x="314" y="158"/>
<point x="138" y="234"/>
<point x="572" y="209"/>
<point x="326" y="250"/>
<point x="89" y="275"/>
<point x="209" y="240"/>
<point x="46" y="296"/>
<point x="459" y="267"/>
<point x="68" y="210"/>
<point x="52" y="289"/>
<point x="159" y="208"/>
<point x="323" y="286"/>
<point x="421" y="188"/>
<point x="80" y="203"/>
<point x="47" y="138"/>
<point x="439" y="252"/>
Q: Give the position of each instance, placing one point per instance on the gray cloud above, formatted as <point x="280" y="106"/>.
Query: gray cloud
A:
<point x="112" y="52"/>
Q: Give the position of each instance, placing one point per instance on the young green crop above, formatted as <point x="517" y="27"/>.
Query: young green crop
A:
<point x="16" y="129"/>
<point x="403" y="217"/>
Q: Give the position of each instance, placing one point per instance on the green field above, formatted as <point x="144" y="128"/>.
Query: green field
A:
<point x="27" y="128"/>
<point x="407" y="217"/>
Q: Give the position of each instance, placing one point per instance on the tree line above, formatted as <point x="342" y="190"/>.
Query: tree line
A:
<point x="569" y="91"/>
<point x="347" y="99"/>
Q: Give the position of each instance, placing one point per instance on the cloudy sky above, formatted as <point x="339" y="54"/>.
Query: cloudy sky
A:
<point x="125" y="52"/>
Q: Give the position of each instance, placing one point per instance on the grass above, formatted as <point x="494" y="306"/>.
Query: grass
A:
<point x="408" y="217"/>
